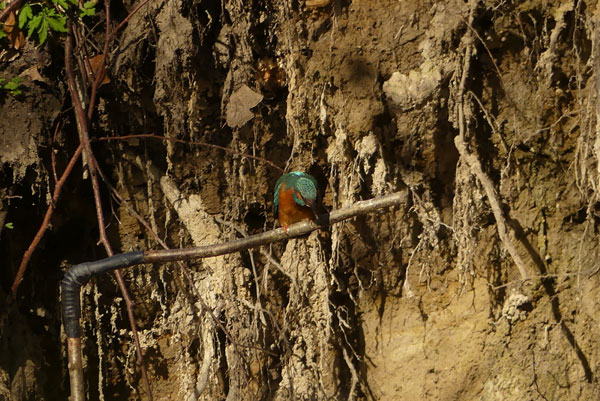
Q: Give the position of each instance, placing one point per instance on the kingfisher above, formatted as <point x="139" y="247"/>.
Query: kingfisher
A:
<point x="296" y="198"/>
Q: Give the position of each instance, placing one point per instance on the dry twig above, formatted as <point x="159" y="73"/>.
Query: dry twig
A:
<point x="201" y="143"/>
<point x="45" y="222"/>
<point x="82" y="128"/>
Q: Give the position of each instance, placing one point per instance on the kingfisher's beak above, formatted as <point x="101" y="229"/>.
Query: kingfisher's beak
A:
<point x="313" y="206"/>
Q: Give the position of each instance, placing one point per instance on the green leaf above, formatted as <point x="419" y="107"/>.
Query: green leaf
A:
<point x="33" y="24"/>
<point x="57" y="24"/>
<point x="13" y="84"/>
<point x="87" y="12"/>
<point x="62" y="3"/>
<point x="24" y="15"/>
<point x="2" y="34"/>
<point x="10" y="226"/>
<point x="43" y="31"/>
<point x="88" y="9"/>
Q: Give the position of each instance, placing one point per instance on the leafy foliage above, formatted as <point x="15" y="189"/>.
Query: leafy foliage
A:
<point x="46" y="17"/>
<point x="41" y="21"/>
<point x="11" y="86"/>
<point x="88" y="9"/>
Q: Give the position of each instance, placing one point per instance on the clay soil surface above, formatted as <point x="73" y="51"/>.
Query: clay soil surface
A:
<point x="483" y="284"/>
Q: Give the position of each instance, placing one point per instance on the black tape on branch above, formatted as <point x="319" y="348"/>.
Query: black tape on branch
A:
<point x="80" y="274"/>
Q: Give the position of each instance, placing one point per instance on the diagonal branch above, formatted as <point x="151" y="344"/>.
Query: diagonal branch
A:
<point x="201" y="143"/>
<point x="13" y="6"/>
<point x="268" y="237"/>
<point x="82" y="273"/>
<point x="83" y="129"/>
<point x="180" y="264"/>
<point x="45" y="222"/>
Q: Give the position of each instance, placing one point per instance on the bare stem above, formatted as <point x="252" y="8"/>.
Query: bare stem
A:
<point x="268" y="237"/>
<point x="201" y="143"/>
<point x="82" y="128"/>
<point x="45" y="222"/>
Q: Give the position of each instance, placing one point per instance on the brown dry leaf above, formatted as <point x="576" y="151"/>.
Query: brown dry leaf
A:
<point x="10" y="23"/>
<point x="33" y="74"/>
<point x="17" y="39"/>
<point x="97" y="67"/>
<point x="15" y="35"/>
<point x="238" y="110"/>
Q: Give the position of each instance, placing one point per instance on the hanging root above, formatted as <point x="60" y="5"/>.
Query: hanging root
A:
<point x="474" y="164"/>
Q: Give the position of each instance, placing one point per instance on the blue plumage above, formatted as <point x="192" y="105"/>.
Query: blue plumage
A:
<point x="304" y="187"/>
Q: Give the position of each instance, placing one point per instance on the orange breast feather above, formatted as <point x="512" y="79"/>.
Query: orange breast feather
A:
<point x="289" y="212"/>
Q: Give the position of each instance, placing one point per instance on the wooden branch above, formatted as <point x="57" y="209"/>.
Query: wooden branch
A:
<point x="13" y="6"/>
<point x="80" y="274"/>
<point x="45" y="222"/>
<point x="363" y="207"/>
<point x="75" y="366"/>
<point x="131" y="14"/>
<point x="83" y="130"/>
<point x="180" y="264"/>
<point x="100" y="75"/>
<point x="201" y="143"/>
